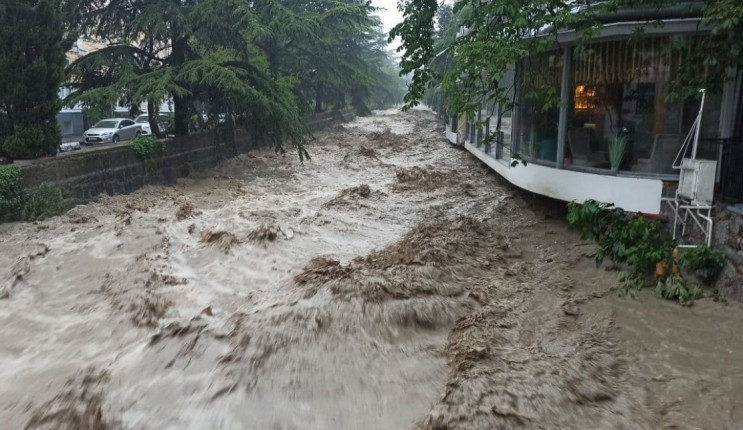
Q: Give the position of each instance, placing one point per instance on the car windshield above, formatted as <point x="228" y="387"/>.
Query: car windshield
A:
<point x="106" y="124"/>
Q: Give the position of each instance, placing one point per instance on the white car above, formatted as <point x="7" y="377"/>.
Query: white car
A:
<point x="112" y="130"/>
<point x="144" y="121"/>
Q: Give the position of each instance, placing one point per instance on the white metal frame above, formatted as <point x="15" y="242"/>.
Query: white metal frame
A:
<point x="685" y="208"/>
<point x="683" y="213"/>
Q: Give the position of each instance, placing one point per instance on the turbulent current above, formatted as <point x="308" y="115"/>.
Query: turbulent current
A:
<point x="390" y="282"/>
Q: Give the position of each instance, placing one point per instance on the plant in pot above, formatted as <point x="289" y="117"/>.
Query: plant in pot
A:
<point x="617" y="148"/>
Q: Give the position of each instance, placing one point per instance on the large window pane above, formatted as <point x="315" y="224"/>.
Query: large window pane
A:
<point x="538" y="107"/>
<point x="619" y="88"/>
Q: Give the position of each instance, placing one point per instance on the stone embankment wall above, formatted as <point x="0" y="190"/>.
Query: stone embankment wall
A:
<point x="728" y="237"/>
<point x="117" y="169"/>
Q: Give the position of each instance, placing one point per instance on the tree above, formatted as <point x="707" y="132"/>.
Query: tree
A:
<point x="258" y="62"/>
<point x="346" y="58"/>
<point x="32" y="61"/>
<point x="187" y="51"/>
<point x="444" y="17"/>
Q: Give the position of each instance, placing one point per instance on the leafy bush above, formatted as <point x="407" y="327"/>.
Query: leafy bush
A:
<point x="641" y="244"/>
<point x="705" y="263"/>
<point x="32" y="141"/>
<point x="632" y="282"/>
<point x="622" y="237"/>
<point x="675" y="287"/>
<point x="11" y="192"/>
<point x="149" y="150"/>
<point x="45" y="201"/>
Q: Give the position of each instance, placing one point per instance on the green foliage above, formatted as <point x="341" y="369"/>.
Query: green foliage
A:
<point x="149" y="149"/>
<point x="631" y="284"/>
<point x="622" y="237"/>
<point x="592" y="217"/>
<point x="675" y="287"/>
<point x="641" y="244"/>
<point x="95" y="111"/>
<point x="705" y="263"/>
<point x="501" y="33"/>
<point x="11" y="192"/>
<point x="261" y="63"/>
<point x="32" y="140"/>
<point x="32" y="60"/>
<point x="417" y="34"/>
<point x="45" y="201"/>
<point x="617" y="147"/>
<point x="516" y="159"/>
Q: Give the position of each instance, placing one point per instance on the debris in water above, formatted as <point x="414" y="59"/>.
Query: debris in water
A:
<point x="424" y="179"/>
<point x="362" y="190"/>
<point x="266" y="232"/>
<point x="80" y="407"/>
<point x="320" y="270"/>
<point x="185" y="210"/>
<point x="368" y="152"/>
<point x="222" y="239"/>
<point x="81" y="218"/>
<point x="385" y="138"/>
<point x="124" y="216"/>
<point x="19" y="270"/>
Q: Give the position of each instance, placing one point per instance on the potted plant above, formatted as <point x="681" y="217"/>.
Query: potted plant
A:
<point x="617" y="147"/>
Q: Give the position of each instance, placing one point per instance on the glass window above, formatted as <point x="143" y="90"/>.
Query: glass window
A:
<point x="106" y="124"/>
<point x="538" y="106"/>
<point x="619" y="93"/>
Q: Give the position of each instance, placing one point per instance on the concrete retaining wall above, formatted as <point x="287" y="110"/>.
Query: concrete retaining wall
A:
<point x="117" y="169"/>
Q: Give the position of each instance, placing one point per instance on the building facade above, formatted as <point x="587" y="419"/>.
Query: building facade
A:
<point x="612" y="87"/>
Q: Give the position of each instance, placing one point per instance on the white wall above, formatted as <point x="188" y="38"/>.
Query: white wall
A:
<point x="630" y="194"/>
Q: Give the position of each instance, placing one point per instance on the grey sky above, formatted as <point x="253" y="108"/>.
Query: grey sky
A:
<point x="388" y="12"/>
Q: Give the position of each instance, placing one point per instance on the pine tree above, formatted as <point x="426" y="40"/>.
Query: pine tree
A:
<point x="259" y="62"/>
<point x="32" y="61"/>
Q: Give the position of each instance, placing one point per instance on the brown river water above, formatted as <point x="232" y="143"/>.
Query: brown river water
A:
<point x="391" y="282"/>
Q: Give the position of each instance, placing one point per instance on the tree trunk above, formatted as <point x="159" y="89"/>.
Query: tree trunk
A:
<point x="181" y="104"/>
<point x="152" y="115"/>
<point x="318" y="99"/>
<point x="181" y="107"/>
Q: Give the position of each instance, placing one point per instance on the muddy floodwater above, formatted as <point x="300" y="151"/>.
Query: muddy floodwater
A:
<point x="391" y="282"/>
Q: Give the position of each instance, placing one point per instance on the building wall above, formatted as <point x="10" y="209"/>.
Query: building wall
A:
<point x="71" y="123"/>
<point x="631" y="194"/>
<point x="605" y="94"/>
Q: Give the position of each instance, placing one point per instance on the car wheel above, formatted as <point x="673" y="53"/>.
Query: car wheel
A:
<point x="139" y="133"/>
<point x="116" y="138"/>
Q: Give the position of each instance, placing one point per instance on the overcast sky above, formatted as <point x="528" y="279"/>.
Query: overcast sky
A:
<point x="388" y="12"/>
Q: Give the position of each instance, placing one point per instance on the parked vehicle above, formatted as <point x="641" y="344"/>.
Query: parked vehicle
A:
<point x="112" y="130"/>
<point x="163" y="122"/>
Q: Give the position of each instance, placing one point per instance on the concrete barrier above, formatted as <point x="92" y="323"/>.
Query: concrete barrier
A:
<point x="118" y="170"/>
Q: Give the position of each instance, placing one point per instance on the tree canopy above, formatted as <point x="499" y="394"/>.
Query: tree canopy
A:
<point x="32" y="60"/>
<point x="262" y="63"/>
<point x="500" y="33"/>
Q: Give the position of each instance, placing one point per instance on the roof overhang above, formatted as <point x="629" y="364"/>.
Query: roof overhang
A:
<point x="618" y="30"/>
